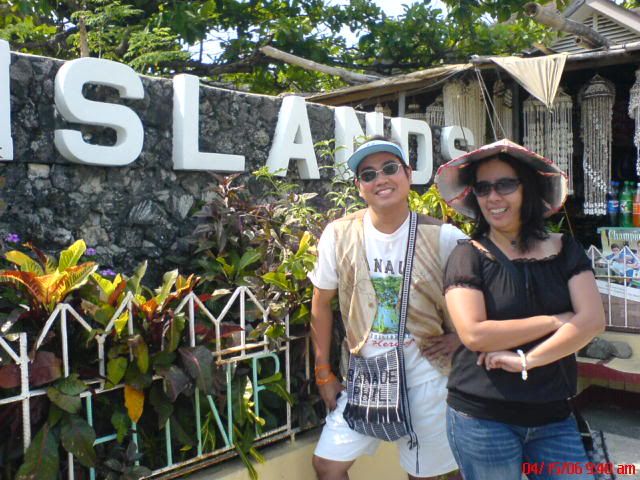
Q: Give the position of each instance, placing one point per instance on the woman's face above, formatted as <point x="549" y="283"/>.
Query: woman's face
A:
<point x="500" y="210"/>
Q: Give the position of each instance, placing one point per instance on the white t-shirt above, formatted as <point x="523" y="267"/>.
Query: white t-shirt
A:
<point x="385" y="254"/>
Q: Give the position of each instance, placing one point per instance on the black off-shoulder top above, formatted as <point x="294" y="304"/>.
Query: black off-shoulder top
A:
<point x="497" y="394"/>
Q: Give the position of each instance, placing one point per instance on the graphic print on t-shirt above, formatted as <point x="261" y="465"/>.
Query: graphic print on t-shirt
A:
<point x="387" y="289"/>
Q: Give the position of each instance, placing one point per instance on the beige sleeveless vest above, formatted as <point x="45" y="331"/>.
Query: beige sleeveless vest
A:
<point x="427" y="315"/>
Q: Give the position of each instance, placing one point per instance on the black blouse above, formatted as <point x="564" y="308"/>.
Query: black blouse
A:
<point x="498" y="394"/>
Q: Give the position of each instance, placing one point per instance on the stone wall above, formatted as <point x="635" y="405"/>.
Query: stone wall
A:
<point x="126" y="213"/>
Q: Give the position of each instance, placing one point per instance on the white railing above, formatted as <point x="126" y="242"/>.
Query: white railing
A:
<point x="263" y="349"/>
<point x="618" y="279"/>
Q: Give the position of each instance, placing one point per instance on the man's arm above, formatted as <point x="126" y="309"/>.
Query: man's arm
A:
<point x="321" y="334"/>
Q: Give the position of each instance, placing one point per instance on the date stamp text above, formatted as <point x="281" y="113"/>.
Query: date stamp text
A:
<point x="578" y="468"/>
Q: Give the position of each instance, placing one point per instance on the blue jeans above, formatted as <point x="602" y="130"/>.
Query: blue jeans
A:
<point x="490" y="450"/>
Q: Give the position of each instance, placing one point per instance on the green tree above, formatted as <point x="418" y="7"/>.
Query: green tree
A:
<point x="165" y="37"/>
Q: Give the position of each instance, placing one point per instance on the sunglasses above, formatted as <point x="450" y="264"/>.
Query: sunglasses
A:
<point x="502" y="186"/>
<point x="369" y="175"/>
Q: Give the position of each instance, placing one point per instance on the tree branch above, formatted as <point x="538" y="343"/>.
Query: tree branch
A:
<point x="246" y="65"/>
<point x="559" y="23"/>
<point x="348" y="76"/>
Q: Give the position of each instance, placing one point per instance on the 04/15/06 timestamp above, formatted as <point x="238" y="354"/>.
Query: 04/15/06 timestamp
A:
<point x="577" y="468"/>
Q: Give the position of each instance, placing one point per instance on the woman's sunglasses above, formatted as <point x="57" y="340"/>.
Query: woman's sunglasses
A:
<point x="369" y="175"/>
<point x="502" y="186"/>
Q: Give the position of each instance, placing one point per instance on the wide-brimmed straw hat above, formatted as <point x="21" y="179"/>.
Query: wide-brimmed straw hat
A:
<point x="459" y="194"/>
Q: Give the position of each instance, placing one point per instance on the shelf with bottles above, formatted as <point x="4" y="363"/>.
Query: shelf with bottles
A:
<point x="623" y="205"/>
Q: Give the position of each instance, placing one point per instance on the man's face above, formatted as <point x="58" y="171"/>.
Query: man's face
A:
<point x="385" y="192"/>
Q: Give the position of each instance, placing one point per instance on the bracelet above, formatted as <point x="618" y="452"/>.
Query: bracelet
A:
<point x="523" y="362"/>
<point x="328" y="379"/>
<point x="320" y="367"/>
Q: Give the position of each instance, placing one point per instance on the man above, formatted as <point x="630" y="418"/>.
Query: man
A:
<point x="360" y="258"/>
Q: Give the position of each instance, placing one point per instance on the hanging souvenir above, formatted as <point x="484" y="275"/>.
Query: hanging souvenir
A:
<point x="434" y="113"/>
<point x="634" y="112"/>
<point x="503" y="109"/>
<point x="383" y="109"/>
<point x="549" y="132"/>
<point x="463" y="106"/>
<point x="413" y="111"/>
<point x="597" y="110"/>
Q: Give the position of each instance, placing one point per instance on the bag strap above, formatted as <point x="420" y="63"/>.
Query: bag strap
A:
<point x="406" y="279"/>
<point x="404" y="305"/>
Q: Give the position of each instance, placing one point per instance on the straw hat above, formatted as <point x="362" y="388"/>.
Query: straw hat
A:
<point x="459" y="195"/>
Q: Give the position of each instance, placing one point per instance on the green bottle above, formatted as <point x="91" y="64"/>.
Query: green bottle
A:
<point x="626" y="205"/>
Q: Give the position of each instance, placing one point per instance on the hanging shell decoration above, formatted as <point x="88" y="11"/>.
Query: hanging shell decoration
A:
<point x="549" y="132"/>
<point x="434" y="113"/>
<point x="597" y="112"/>
<point x="464" y="106"/>
<point x="413" y="111"/>
<point x="634" y="113"/>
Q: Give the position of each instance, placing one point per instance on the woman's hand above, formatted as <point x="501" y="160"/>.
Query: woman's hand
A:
<point x="504" y="359"/>
<point x="329" y="393"/>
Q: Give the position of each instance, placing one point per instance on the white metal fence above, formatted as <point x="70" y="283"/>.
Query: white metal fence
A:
<point x="252" y="351"/>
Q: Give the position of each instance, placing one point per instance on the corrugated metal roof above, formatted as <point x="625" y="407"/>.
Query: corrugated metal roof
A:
<point x="397" y="83"/>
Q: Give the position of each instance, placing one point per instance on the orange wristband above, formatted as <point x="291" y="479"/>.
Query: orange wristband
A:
<point x="321" y="367"/>
<point x="328" y="379"/>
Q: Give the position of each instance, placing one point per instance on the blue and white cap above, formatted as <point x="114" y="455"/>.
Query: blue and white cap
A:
<point x="374" y="146"/>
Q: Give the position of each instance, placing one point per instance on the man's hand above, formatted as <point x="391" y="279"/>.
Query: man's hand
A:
<point x="434" y="348"/>
<point x="329" y="393"/>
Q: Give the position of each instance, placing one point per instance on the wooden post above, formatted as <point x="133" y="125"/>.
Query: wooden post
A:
<point x="402" y="103"/>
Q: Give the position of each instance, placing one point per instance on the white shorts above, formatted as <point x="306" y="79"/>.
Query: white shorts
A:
<point x="427" y="402"/>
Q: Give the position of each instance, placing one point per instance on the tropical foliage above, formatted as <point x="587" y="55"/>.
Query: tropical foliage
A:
<point x="431" y="203"/>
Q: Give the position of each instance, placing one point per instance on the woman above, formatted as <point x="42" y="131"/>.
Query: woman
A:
<point x="520" y="328"/>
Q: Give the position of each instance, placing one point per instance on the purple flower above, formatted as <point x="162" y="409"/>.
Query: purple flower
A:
<point x="12" y="238"/>
<point x="107" y="272"/>
<point x="90" y="252"/>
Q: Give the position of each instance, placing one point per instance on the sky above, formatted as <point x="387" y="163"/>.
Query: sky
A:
<point x="395" y="7"/>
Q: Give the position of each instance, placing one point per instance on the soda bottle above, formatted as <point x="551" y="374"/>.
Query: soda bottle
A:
<point x="636" y="207"/>
<point x="613" y="204"/>
<point x="626" y="205"/>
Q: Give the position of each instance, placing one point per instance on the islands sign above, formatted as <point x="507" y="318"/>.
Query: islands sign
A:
<point x="292" y="139"/>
